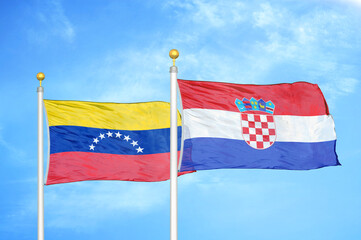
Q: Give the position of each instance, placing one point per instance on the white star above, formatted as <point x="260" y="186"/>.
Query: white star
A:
<point x="134" y="143"/>
<point x="109" y="134"/>
<point x="101" y="136"/>
<point x="126" y="138"/>
<point x="96" y="140"/>
<point x="139" y="149"/>
<point x="117" y="135"/>
<point x="92" y="147"/>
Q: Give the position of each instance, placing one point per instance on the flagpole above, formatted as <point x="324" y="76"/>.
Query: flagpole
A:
<point x="173" y="148"/>
<point x="40" y="76"/>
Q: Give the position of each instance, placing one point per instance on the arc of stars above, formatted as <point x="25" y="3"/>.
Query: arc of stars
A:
<point x="117" y="135"/>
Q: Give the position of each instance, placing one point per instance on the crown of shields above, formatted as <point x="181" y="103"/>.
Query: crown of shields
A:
<point x="258" y="125"/>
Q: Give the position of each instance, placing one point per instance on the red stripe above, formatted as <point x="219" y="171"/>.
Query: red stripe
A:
<point x="81" y="166"/>
<point x="300" y="98"/>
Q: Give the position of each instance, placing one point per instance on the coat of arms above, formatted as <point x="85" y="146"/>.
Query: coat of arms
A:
<point x="258" y="125"/>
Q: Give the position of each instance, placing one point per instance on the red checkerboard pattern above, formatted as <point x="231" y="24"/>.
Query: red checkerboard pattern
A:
<point x="259" y="131"/>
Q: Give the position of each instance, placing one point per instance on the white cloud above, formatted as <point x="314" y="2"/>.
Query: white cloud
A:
<point x="13" y="151"/>
<point x="53" y="22"/>
<point x="348" y="85"/>
<point x="135" y="75"/>
<point x="210" y="13"/>
<point x="338" y="87"/>
<point x="84" y="205"/>
<point x="313" y="44"/>
<point x="352" y="2"/>
<point x="267" y="16"/>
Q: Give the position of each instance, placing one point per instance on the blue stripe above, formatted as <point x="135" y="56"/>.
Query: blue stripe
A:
<point x="78" y="139"/>
<point x="215" y="153"/>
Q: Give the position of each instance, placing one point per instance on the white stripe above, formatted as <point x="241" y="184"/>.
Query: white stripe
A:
<point x="225" y="124"/>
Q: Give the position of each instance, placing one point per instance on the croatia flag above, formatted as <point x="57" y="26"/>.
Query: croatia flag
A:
<point x="281" y="126"/>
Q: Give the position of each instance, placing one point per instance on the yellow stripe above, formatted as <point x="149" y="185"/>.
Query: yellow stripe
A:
<point x="120" y="116"/>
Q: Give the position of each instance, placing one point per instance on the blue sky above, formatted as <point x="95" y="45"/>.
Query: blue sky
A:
<point x="118" y="51"/>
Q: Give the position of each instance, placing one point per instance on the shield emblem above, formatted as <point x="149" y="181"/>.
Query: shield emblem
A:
<point x="258" y="130"/>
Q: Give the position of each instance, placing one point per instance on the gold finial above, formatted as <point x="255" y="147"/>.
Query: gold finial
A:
<point x="40" y="76"/>
<point x="173" y="54"/>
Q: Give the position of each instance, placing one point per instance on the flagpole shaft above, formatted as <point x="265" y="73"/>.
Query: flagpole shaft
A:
<point x="40" y="91"/>
<point x="173" y="155"/>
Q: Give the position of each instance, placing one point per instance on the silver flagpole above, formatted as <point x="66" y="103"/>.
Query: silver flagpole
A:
<point x="173" y="148"/>
<point x="40" y="76"/>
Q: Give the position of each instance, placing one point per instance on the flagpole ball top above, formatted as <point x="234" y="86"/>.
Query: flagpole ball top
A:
<point x="173" y="53"/>
<point x="40" y="76"/>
